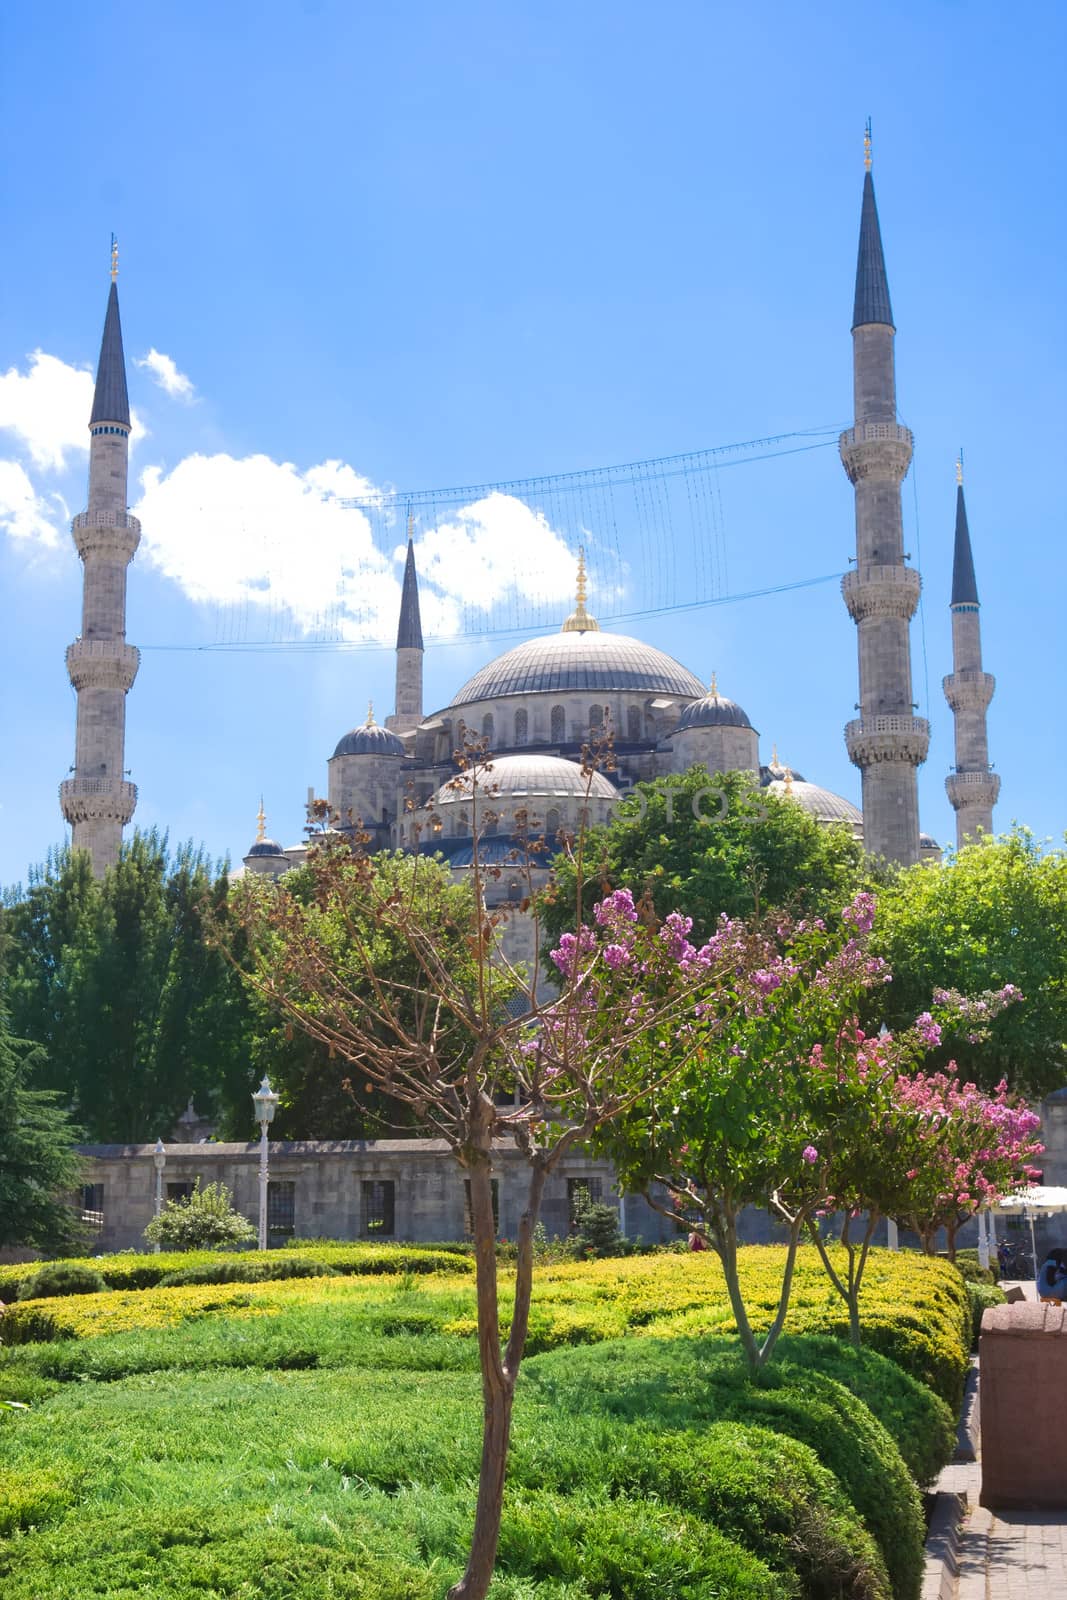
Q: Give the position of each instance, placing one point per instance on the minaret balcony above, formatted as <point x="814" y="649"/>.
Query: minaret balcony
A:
<point x="876" y="450"/>
<point x="113" y="535"/>
<point x="97" y="799"/>
<point x="966" y="789"/>
<point x="969" y="689"/>
<point x="102" y="664"/>
<point x="881" y="591"/>
<point x="873" y="740"/>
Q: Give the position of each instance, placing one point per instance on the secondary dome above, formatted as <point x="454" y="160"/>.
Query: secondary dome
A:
<point x="713" y="710"/>
<point x="596" y="662"/>
<point x="527" y="777"/>
<point x="824" y="805"/>
<point x="266" y="847"/>
<point x="370" y="740"/>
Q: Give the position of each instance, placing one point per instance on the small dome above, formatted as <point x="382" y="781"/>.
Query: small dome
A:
<point x="824" y="805"/>
<point x="928" y="845"/>
<point x="713" y="710"/>
<point x="266" y="847"/>
<point x="528" y="777"/>
<point x="369" y="740"/>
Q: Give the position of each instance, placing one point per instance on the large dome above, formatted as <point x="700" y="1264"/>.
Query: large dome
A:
<point x="591" y="661"/>
<point x="824" y="805"/>
<point x="527" y="776"/>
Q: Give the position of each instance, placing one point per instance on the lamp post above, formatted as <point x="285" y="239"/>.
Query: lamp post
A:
<point x="265" y="1102"/>
<point x="159" y="1159"/>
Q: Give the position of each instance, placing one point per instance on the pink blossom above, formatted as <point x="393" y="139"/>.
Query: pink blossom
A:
<point x="809" y="1154"/>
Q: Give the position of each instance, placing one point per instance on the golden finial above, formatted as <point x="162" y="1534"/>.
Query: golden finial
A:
<point x="261" y="823"/>
<point x="411" y="524"/>
<point x="370" y="715"/>
<point x="867" y="146"/>
<point x="959" y="467"/>
<point x="714" y="690"/>
<point x="114" y="258"/>
<point x="774" y="755"/>
<point x="579" y="620"/>
<point x="789" y="780"/>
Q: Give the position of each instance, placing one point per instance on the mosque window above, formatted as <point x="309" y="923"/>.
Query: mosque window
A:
<point x="281" y="1209"/>
<point x="180" y="1191"/>
<point x="379" y="1208"/>
<point x="581" y="1194"/>
<point x="596" y="720"/>
<point x="522" y="723"/>
<point x="487" y="725"/>
<point x="559" y="725"/>
<point x="463" y="825"/>
<point x="93" y="1205"/>
<point x="633" y="724"/>
<point x="551" y="824"/>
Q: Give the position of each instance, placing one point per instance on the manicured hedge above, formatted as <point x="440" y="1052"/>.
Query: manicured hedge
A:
<point x="130" y="1270"/>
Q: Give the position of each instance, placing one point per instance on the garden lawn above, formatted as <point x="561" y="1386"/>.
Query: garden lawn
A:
<point x="319" y="1437"/>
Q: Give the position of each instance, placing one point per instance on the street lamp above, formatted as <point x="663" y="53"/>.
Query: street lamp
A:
<point x="265" y="1102"/>
<point x="159" y="1158"/>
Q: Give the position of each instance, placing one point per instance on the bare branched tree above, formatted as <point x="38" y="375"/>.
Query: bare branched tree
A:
<point x="404" y="975"/>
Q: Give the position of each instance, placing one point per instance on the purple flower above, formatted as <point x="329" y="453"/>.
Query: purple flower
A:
<point x="929" y="1031"/>
<point x="860" y="914"/>
<point x="809" y="1154"/>
<point x="616" y="956"/>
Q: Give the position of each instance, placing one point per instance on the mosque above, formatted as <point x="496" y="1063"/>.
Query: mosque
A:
<point x="540" y="702"/>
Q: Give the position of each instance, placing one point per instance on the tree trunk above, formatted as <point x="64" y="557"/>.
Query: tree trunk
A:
<point x="498" y="1390"/>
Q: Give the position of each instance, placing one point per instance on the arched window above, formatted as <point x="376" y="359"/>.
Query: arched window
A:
<point x="462" y="824"/>
<point x="487" y="725"/>
<point x="596" y="721"/>
<point x="551" y="825"/>
<point x="522" y="723"/>
<point x="633" y="724"/>
<point x="559" y="725"/>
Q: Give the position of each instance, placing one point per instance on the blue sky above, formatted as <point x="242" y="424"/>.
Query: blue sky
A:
<point x="471" y="243"/>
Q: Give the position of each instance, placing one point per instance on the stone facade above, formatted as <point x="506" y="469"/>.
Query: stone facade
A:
<point x="335" y="1190"/>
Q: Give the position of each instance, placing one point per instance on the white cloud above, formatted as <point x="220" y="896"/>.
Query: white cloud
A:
<point x="165" y="372"/>
<point x="260" y="534"/>
<point x="47" y="408"/>
<point x="25" y="514"/>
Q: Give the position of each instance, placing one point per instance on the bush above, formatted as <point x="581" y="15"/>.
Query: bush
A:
<point x="983" y="1295"/>
<point x="598" y="1232"/>
<point x="61" y="1278"/>
<point x="202" y="1220"/>
<point x="247" y="1269"/>
<point x="967" y="1265"/>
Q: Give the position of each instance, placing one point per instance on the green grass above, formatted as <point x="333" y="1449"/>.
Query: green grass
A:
<point x="325" y="1444"/>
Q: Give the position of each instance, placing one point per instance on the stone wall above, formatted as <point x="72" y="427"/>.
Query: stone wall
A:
<point x="332" y="1195"/>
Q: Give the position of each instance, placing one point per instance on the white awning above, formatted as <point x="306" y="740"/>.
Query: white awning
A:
<point x="1041" y="1200"/>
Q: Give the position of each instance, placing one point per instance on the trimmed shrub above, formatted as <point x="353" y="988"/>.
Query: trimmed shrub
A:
<point x="969" y="1269"/>
<point x="61" y="1278"/>
<point x="631" y="1549"/>
<point x="982" y="1296"/>
<point x="247" y="1269"/>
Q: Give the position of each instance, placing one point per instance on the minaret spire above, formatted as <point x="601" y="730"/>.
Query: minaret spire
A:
<point x="886" y="741"/>
<point x="579" y="620"/>
<point x="973" y="786"/>
<point x="409" y="646"/>
<point x="97" y="801"/>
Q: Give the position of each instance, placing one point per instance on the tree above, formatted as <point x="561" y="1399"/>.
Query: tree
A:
<point x="708" y="846"/>
<point x="885" y="1143"/>
<point x="202" y="1220"/>
<point x="38" y="1165"/>
<point x="994" y="913"/>
<point x="114" y="978"/>
<point x="439" y="1033"/>
<point x="743" y="1123"/>
<point x="976" y="1147"/>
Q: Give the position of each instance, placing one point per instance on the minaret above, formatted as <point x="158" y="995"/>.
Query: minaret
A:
<point x="409" y="651"/>
<point x="97" y="801"/>
<point x="973" y="787"/>
<point x="887" y="741"/>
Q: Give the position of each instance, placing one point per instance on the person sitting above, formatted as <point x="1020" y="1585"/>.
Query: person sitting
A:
<point x="1052" y="1279"/>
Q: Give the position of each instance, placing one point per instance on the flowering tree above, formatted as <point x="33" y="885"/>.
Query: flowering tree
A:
<point x="439" y="1032"/>
<point x="746" y="1121"/>
<point x="973" y="1148"/>
<point x="884" y="1138"/>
